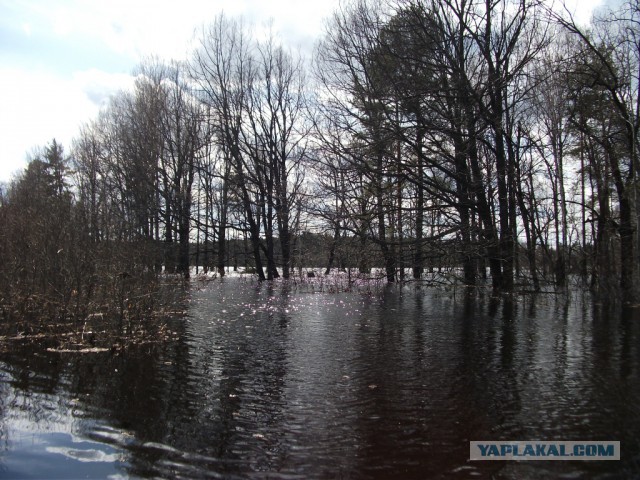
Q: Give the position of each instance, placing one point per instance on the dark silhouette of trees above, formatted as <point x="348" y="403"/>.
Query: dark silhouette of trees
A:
<point x="254" y="96"/>
<point x="606" y="71"/>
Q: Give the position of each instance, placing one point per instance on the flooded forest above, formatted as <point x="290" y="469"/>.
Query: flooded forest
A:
<point x="433" y="220"/>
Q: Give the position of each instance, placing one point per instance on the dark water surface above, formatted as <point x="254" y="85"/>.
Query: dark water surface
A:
<point x="266" y="381"/>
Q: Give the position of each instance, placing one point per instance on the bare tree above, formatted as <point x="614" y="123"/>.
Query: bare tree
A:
<point x="278" y="138"/>
<point x="223" y="67"/>
<point x="608" y="68"/>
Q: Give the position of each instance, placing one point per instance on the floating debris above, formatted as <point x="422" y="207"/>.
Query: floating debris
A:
<point x="78" y="350"/>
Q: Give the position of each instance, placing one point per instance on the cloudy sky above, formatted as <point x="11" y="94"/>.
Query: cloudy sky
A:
<point x="61" y="59"/>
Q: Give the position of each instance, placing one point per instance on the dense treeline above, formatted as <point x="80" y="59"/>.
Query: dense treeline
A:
<point x="53" y="269"/>
<point x="498" y="135"/>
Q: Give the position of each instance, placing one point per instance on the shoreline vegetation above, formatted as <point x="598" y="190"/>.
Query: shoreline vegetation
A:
<point x="126" y="312"/>
<point x="137" y="311"/>
<point x="483" y="146"/>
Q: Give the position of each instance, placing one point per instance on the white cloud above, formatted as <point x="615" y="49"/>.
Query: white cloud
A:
<point x="165" y="28"/>
<point x="581" y="10"/>
<point x="98" y="85"/>
<point x="39" y="106"/>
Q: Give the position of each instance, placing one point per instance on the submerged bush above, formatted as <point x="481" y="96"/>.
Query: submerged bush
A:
<point x="59" y="269"/>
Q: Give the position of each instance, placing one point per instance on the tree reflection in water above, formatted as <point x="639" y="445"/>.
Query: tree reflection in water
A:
<point x="267" y="379"/>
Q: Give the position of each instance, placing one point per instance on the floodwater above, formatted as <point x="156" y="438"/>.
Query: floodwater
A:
<point x="279" y="382"/>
